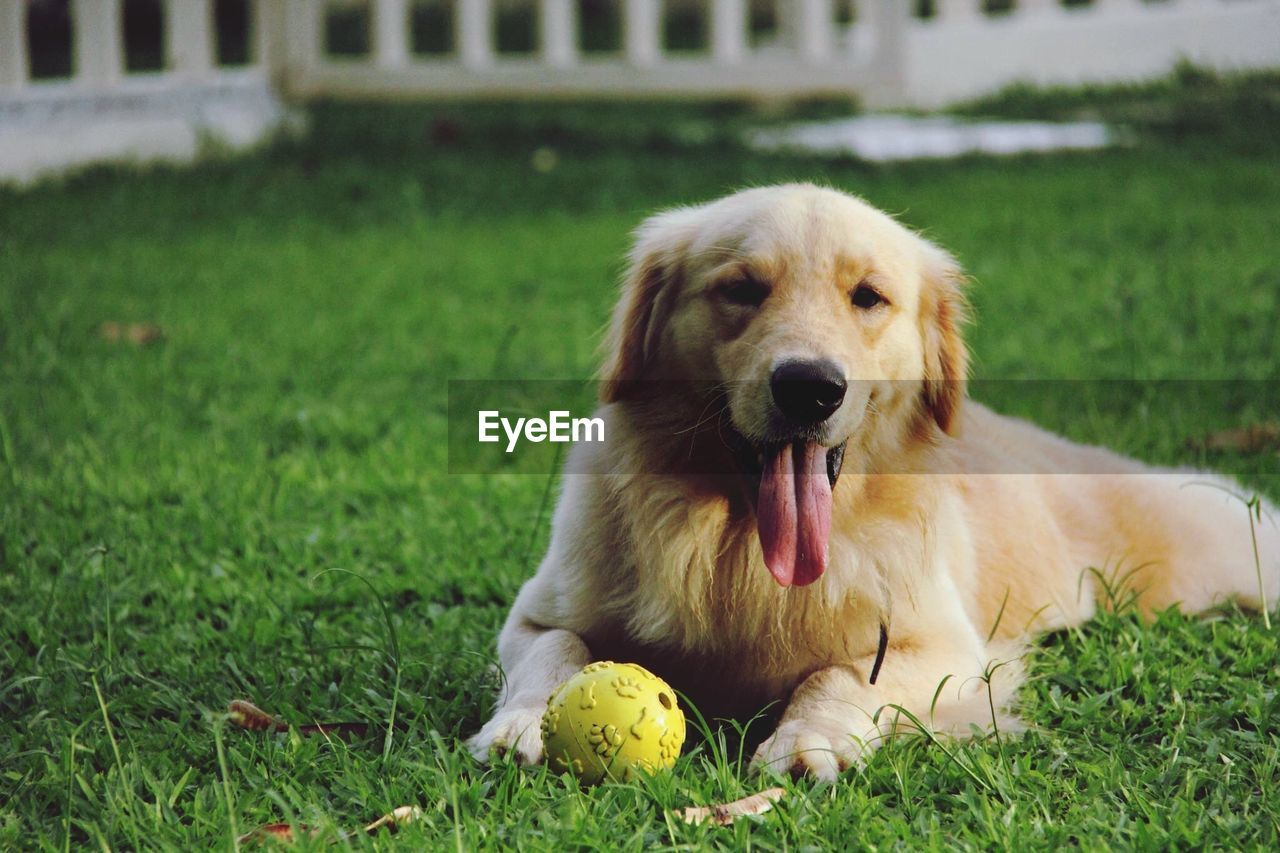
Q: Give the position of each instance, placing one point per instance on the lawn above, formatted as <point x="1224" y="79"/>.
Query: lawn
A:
<point x="258" y="505"/>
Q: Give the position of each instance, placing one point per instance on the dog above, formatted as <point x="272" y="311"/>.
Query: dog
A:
<point x="795" y="502"/>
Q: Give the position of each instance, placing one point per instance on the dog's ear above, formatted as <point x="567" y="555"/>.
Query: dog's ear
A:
<point x="943" y="313"/>
<point x="654" y="268"/>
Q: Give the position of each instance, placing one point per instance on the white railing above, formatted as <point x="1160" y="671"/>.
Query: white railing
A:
<point x="104" y="112"/>
<point x="818" y="58"/>
<point x="98" y="43"/>
<point x="885" y="57"/>
<point x="962" y="54"/>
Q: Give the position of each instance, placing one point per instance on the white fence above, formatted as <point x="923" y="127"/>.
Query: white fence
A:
<point x="811" y="56"/>
<point x="103" y="113"/>
<point x="962" y="55"/>
<point x="885" y="55"/>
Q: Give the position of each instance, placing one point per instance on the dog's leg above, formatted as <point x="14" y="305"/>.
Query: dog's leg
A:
<point x="541" y="643"/>
<point x="1195" y="545"/>
<point x="835" y="717"/>
<point x="536" y="660"/>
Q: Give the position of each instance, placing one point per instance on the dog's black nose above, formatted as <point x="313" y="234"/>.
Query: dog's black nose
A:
<point x="808" y="392"/>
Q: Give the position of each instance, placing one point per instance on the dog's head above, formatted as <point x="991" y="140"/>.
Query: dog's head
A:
<point x="825" y="328"/>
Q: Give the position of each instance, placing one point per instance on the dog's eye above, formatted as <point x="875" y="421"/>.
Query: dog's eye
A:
<point x="744" y="291"/>
<point x="866" y="297"/>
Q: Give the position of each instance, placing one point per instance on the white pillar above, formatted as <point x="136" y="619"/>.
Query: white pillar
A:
<point x="391" y="33"/>
<point x="303" y="34"/>
<point x="642" y="30"/>
<point x="99" y="45"/>
<point x="474" y="22"/>
<point x="729" y="24"/>
<point x="958" y="10"/>
<point x="13" y="43"/>
<point x="267" y="30"/>
<point x="888" y="23"/>
<point x="189" y="42"/>
<point x="559" y="30"/>
<point x="813" y="30"/>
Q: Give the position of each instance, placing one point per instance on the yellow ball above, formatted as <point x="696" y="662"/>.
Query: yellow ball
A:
<point x="610" y="720"/>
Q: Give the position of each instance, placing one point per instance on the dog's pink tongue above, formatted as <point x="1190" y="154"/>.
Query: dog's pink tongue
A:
<point x="794" y="513"/>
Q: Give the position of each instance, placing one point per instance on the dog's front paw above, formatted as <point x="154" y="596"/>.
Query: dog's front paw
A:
<point x="516" y="732"/>
<point x="820" y="748"/>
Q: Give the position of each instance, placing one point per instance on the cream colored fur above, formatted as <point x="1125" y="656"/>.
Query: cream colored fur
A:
<point x="655" y="561"/>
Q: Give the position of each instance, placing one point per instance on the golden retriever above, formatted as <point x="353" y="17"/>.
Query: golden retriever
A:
<point x="882" y="542"/>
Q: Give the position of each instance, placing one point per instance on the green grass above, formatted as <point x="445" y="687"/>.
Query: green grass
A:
<point x="168" y="513"/>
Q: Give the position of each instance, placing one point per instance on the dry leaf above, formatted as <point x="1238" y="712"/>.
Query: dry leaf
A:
<point x="144" y="333"/>
<point x="445" y="131"/>
<point x="1254" y="438"/>
<point x="288" y="833"/>
<point x="138" y="334"/>
<point x="393" y="820"/>
<point x="247" y="715"/>
<point x="279" y="831"/>
<point x="726" y="813"/>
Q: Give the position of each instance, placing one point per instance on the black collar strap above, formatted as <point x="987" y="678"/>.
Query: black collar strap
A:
<point x="880" y="650"/>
